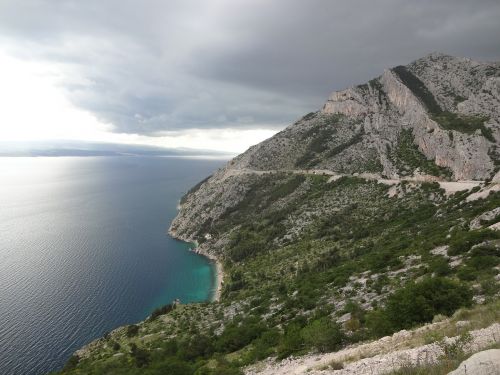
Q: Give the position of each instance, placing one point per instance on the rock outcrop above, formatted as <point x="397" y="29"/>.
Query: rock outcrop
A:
<point x="483" y="363"/>
<point x="437" y="117"/>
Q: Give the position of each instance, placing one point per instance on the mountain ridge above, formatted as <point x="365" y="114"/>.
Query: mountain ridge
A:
<point x="352" y="135"/>
<point x="384" y="106"/>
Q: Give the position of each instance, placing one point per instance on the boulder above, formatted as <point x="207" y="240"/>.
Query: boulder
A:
<point x="483" y="363"/>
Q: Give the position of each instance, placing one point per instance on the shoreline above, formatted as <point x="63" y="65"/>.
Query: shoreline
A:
<point x="216" y="290"/>
<point x="219" y="271"/>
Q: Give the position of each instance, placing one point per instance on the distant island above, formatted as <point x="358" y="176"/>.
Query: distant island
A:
<point x="80" y="148"/>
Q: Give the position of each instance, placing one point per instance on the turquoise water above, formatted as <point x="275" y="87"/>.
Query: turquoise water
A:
<point x="84" y="249"/>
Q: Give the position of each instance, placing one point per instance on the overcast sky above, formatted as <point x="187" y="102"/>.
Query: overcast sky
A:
<point x="210" y="73"/>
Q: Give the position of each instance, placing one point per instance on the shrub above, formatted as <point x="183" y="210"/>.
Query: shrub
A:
<point x="173" y="366"/>
<point x="198" y="346"/>
<point x="440" y="266"/>
<point x="132" y="330"/>
<point x="463" y="123"/>
<point x="161" y="311"/>
<point x="420" y="302"/>
<point x="378" y="323"/>
<point x="140" y="356"/>
<point x="467" y="273"/>
<point x="236" y="336"/>
<point x="323" y="335"/>
<point x="463" y="241"/>
<point x="291" y="342"/>
<point x="72" y="363"/>
<point x="263" y="347"/>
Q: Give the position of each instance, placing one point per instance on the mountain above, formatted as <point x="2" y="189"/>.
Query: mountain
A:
<point x="376" y="215"/>
<point x="435" y="119"/>
<point x="441" y="107"/>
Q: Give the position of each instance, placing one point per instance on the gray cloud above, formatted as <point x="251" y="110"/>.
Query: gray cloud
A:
<point x="153" y="66"/>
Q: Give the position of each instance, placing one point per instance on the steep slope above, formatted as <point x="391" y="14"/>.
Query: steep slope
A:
<point x="360" y="129"/>
<point x="353" y="223"/>
<point x="437" y="118"/>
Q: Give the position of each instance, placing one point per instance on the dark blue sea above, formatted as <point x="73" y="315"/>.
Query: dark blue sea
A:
<point x="84" y="249"/>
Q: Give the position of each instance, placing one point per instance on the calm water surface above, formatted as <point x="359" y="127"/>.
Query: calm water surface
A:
<point x="83" y="249"/>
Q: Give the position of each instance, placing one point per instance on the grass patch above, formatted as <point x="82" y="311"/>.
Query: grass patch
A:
<point x="446" y="120"/>
<point x="463" y="123"/>
<point x="407" y="157"/>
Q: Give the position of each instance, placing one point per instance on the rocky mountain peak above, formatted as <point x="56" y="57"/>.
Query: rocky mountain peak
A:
<point x="436" y="116"/>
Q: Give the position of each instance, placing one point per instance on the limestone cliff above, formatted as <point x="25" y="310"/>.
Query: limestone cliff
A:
<point x="437" y="118"/>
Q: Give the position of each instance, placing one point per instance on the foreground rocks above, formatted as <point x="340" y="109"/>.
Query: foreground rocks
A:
<point x="382" y="356"/>
<point x="482" y="363"/>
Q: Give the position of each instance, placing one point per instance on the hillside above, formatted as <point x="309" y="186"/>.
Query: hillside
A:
<point x="376" y="214"/>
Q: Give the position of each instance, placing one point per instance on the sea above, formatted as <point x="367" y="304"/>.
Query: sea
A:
<point x="84" y="249"/>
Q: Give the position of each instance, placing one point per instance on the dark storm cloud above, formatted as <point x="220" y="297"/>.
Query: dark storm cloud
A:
<point x="152" y="66"/>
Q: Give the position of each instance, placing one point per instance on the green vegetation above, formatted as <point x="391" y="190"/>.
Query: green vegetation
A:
<point x="418" y="303"/>
<point x="320" y="139"/>
<point x="407" y="157"/>
<point x="309" y="116"/>
<point x="446" y="120"/>
<point x="161" y="311"/>
<point x="344" y="146"/>
<point x="300" y="252"/>
<point x="463" y="123"/>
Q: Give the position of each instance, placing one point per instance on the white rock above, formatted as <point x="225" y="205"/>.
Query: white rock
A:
<point x="482" y="363"/>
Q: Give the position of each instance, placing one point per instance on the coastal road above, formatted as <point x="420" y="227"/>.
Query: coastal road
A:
<point x="449" y="186"/>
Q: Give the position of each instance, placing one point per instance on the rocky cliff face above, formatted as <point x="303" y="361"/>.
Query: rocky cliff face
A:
<point x="357" y="128"/>
<point x="437" y="118"/>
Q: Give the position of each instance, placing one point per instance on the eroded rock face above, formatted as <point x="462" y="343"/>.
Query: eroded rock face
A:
<point x="374" y="115"/>
<point x="386" y="127"/>
<point x="483" y="363"/>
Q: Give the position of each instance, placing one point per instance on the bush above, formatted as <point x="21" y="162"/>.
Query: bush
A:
<point x="132" y="330"/>
<point x="463" y="241"/>
<point x="291" y="342"/>
<point x="198" y="346"/>
<point x="161" y="311"/>
<point x="173" y="366"/>
<point x="323" y="335"/>
<point x="237" y="336"/>
<point x="440" y="267"/>
<point x="463" y="123"/>
<point x="467" y="273"/>
<point x="420" y="302"/>
<point x="140" y="356"/>
<point x="72" y="363"/>
<point x="263" y="347"/>
<point x="378" y="323"/>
